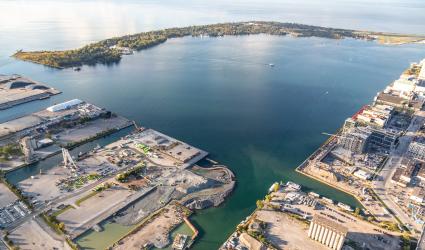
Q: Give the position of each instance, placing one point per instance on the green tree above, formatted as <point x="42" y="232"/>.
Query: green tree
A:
<point x="260" y="204"/>
<point x="357" y="211"/>
<point x="61" y="226"/>
<point x="276" y="187"/>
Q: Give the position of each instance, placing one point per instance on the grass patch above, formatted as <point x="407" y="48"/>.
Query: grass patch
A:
<point x="63" y="210"/>
<point x="95" y="191"/>
<point x="58" y="227"/>
<point x="81" y="200"/>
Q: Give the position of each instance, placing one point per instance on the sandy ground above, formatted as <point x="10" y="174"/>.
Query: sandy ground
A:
<point x="145" y="206"/>
<point x="31" y="235"/>
<point x="286" y="232"/>
<point x="155" y="231"/>
<point x="44" y="185"/>
<point x="358" y="230"/>
<point x="91" y="129"/>
<point x="6" y="196"/>
<point x="77" y="220"/>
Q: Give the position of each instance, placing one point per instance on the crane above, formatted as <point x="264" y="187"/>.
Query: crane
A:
<point x="67" y="159"/>
<point x="339" y="136"/>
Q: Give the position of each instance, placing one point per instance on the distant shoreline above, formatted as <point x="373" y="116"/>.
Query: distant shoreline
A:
<point x="110" y="51"/>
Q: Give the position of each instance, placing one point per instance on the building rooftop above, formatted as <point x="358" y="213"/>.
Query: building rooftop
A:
<point x="389" y="98"/>
<point x="396" y="176"/>
<point x="334" y="226"/>
<point x="418" y="192"/>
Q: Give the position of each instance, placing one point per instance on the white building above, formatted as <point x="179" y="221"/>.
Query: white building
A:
<point x="418" y="195"/>
<point x="361" y="174"/>
<point x="327" y="232"/>
<point x="421" y="76"/>
<point x="404" y="85"/>
<point x="64" y="105"/>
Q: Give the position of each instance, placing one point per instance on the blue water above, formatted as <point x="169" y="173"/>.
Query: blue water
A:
<point x="218" y="93"/>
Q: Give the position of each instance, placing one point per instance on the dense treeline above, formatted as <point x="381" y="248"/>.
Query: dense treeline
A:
<point x="108" y="51"/>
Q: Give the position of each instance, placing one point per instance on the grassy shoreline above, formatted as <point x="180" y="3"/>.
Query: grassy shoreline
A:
<point x="109" y="51"/>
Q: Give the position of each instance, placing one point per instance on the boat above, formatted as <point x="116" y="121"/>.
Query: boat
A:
<point x="271" y="64"/>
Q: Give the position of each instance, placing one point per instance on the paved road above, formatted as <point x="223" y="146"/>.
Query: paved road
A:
<point x="381" y="184"/>
<point x="58" y="200"/>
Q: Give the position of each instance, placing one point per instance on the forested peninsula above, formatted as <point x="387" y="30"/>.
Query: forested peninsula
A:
<point x="110" y="51"/>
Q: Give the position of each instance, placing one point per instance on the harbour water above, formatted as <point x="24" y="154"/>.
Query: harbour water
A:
<point x="220" y="94"/>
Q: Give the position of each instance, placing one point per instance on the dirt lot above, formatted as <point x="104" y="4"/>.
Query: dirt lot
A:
<point x="6" y="196"/>
<point x="43" y="186"/>
<point x="286" y="232"/>
<point x="358" y="230"/>
<point x="80" y="219"/>
<point x="155" y="231"/>
<point x="91" y="129"/>
<point x="31" y="235"/>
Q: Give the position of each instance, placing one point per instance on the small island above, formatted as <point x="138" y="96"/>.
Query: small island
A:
<point x="110" y="51"/>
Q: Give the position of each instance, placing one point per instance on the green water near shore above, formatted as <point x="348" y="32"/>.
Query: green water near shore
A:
<point x="110" y="234"/>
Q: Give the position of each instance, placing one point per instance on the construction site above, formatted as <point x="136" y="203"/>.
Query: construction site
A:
<point x="290" y="219"/>
<point x="128" y="181"/>
<point x="142" y="181"/>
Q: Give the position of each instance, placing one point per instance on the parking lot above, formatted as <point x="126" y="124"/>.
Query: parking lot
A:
<point x="34" y="235"/>
<point x="6" y="196"/>
<point x="12" y="212"/>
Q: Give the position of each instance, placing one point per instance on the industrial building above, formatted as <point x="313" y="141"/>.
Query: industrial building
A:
<point x="52" y="116"/>
<point x="327" y="232"/>
<point x="64" y="105"/>
<point x="27" y="149"/>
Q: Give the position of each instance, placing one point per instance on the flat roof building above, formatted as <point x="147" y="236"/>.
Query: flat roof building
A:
<point x="64" y="105"/>
<point x="377" y="115"/>
<point x="396" y="178"/>
<point x="409" y="167"/>
<point x="418" y="195"/>
<point x="417" y="149"/>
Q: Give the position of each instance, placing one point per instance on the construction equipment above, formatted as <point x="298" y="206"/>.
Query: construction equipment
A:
<point x="68" y="161"/>
<point x="137" y="127"/>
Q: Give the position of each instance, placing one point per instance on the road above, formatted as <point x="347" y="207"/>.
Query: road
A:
<point x="382" y="184"/>
<point x="58" y="200"/>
